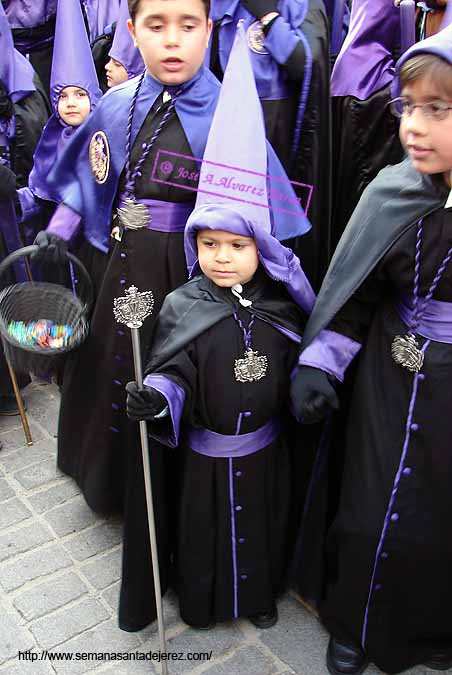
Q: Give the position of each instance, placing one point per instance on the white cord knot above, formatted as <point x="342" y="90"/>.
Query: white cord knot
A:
<point x="237" y="290"/>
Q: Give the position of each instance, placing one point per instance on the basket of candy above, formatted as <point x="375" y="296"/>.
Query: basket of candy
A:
<point x="40" y="321"/>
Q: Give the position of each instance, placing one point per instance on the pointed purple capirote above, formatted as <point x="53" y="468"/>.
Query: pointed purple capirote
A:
<point x="100" y="14"/>
<point x="236" y="154"/>
<point x="365" y="63"/>
<point x="72" y="64"/>
<point x="123" y="49"/>
<point x="16" y="73"/>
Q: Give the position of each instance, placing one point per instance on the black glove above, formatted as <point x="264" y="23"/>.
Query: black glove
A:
<point x="313" y="395"/>
<point x="145" y="403"/>
<point x="7" y="182"/>
<point x="52" y="249"/>
<point x="259" y="8"/>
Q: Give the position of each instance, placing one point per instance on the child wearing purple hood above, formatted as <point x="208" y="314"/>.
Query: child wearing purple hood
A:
<point x="385" y="593"/>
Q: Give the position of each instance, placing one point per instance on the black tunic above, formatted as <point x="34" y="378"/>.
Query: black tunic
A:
<point x="404" y="618"/>
<point x="103" y="452"/>
<point x="235" y="517"/>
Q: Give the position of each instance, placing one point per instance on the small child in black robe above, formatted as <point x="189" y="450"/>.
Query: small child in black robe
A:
<point x="217" y="387"/>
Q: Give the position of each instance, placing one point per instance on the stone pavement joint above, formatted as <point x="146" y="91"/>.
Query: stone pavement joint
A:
<point x="60" y="567"/>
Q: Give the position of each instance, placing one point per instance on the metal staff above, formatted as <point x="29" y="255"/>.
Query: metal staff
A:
<point x="131" y="310"/>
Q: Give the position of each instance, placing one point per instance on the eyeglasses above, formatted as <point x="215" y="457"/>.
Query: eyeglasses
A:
<point x="433" y="110"/>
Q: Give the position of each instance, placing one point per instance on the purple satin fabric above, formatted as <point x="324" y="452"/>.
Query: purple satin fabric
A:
<point x="165" y="216"/>
<point x="123" y="48"/>
<point x="407" y="25"/>
<point x="16" y="73"/>
<point x="436" y="321"/>
<point x="365" y="63"/>
<point x="100" y="14"/>
<point x="331" y="352"/>
<point x="64" y="223"/>
<point x="211" y="444"/>
<point x="175" y="397"/>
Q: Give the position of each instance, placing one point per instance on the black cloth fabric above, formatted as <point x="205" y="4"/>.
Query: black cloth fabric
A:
<point x="100" y="50"/>
<point x="31" y="114"/>
<point x="200" y="304"/>
<point x="104" y="454"/>
<point x="365" y="140"/>
<point x="217" y="553"/>
<point x="380" y="579"/>
<point x="312" y="163"/>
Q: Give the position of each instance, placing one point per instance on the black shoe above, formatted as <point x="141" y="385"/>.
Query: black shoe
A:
<point x="345" y="659"/>
<point x="265" y="619"/>
<point x="8" y="405"/>
<point x="439" y="661"/>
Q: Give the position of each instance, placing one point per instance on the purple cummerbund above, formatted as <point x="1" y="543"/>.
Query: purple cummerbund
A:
<point x="436" y="320"/>
<point x="165" y="216"/>
<point x="211" y="444"/>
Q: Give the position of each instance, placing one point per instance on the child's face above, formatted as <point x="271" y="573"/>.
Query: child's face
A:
<point x="428" y="141"/>
<point x="116" y="73"/>
<point x="172" y="36"/>
<point x="226" y="258"/>
<point x="73" y="105"/>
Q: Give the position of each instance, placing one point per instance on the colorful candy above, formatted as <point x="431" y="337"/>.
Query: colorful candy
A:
<point x="42" y="333"/>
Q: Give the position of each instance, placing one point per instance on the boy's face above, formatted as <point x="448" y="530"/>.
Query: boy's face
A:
<point x="73" y="105"/>
<point x="427" y="141"/>
<point x="116" y="73"/>
<point x="172" y="36"/>
<point x="226" y="258"/>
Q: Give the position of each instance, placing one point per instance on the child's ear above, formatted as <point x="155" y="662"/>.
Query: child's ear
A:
<point x="131" y="29"/>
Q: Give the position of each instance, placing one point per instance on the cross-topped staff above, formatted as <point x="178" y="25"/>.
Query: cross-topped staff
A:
<point x="131" y="310"/>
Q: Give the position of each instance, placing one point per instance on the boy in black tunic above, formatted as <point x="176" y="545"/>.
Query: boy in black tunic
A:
<point x="386" y="592"/>
<point x="224" y="349"/>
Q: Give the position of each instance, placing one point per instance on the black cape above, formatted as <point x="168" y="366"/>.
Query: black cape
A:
<point x="393" y="203"/>
<point x="199" y="304"/>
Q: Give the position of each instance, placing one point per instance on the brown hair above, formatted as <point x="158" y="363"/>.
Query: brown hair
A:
<point x="436" y="69"/>
<point x="134" y="5"/>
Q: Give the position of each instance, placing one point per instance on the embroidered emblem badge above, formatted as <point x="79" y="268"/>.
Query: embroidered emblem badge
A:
<point x="251" y="368"/>
<point x="99" y="156"/>
<point x="256" y="37"/>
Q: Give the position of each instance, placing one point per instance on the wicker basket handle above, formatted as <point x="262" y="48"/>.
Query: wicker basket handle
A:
<point x="28" y="250"/>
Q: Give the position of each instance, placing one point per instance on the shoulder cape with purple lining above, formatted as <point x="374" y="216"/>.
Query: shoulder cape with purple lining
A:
<point x="198" y="305"/>
<point x="389" y="206"/>
<point x="73" y="178"/>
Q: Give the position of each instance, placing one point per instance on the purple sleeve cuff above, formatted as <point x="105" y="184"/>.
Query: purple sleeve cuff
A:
<point x="29" y="205"/>
<point x="167" y="430"/>
<point x="64" y="223"/>
<point x="281" y="40"/>
<point x="331" y="352"/>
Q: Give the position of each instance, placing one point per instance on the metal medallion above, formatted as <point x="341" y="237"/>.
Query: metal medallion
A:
<point x="251" y="368"/>
<point x="256" y="36"/>
<point x="99" y="156"/>
<point x="133" y="215"/>
<point x="134" y="307"/>
<point x="406" y="353"/>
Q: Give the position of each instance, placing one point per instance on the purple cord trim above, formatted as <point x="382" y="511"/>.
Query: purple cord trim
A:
<point x="304" y="94"/>
<point x="246" y="336"/>
<point x="234" y="548"/>
<point x="392" y="498"/>
<point x="131" y="176"/>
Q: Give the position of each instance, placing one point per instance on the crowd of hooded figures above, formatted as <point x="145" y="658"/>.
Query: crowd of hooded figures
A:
<point x="276" y="176"/>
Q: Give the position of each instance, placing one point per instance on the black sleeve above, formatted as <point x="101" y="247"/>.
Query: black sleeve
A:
<point x="354" y="318"/>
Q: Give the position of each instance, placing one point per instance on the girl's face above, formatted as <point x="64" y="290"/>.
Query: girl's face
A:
<point x="73" y="105"/>
<point x="116" y="73"/>
<point x="427" y="136"/>
<point x="227" y="258"/>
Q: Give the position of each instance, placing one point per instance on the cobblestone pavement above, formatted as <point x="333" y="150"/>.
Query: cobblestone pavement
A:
<point x="59" y="581"/>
